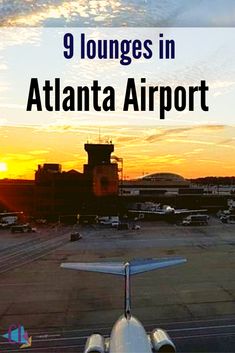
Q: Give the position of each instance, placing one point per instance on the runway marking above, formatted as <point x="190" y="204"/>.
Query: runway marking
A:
<point x="40" y="244"/>
<point x="50" y="339"/>
<point x="106" y="336"/>
<point x="147" y="325"/>
<point x="46" y="348"/>
<point x="73" y="338"/>
<point x="199" y="328"/>
<point x="211" y="335"/>
<point x="38" y="251"/>
<point x="46" y="336"/>
<point x="37" y="349"/>
<point x="169" y="330"/>
<point x="22" y="284"/>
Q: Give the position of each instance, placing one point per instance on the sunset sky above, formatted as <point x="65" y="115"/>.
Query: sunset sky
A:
<point x="189" y="151"/>
<point x="146" y="147"/>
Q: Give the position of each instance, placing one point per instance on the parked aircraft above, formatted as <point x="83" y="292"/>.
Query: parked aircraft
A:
<point x="152" y="210"/>
<point x="128" y="334"/>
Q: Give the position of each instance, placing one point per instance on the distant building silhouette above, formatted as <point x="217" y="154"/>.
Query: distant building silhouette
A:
<point x="54" y="192"/>
<point x="156" y="184"/>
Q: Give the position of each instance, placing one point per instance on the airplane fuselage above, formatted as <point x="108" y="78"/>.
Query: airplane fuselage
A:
<point x="128" y="335"/>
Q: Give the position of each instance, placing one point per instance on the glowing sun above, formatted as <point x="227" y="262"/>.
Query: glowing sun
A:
<point x="3" y="167"/>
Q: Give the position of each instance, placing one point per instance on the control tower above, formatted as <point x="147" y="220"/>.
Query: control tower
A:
<point x="103" y="174"/>
<point x="99" y="153"/>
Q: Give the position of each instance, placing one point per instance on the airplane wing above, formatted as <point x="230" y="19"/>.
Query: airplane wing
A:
<point x="188" y="212"/>
<point x="160" y="212"/>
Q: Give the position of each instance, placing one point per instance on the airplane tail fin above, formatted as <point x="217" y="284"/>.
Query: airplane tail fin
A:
<point x="118" y="268"/>
<point x="125" y="269"/>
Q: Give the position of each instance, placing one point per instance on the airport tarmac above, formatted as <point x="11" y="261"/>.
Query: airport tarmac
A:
<point x="60" y="308"/>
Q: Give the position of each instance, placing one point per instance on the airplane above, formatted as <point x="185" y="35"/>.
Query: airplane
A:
<point x="128" y="334"/>
<point x="165" y="210"/>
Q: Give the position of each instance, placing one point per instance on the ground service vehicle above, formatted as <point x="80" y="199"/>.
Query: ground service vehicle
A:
<point x="23" y="228"/>
<point x="228" y="218"/>
<point x="75" y="236"/>
<point x="194" y="220"/>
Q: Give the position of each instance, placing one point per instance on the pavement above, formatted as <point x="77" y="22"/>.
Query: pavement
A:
<point x="60" y="308"/>
<point x="207" y="335"/>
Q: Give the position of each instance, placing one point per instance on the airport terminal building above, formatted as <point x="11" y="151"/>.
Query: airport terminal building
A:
<point x="155" y="184"/>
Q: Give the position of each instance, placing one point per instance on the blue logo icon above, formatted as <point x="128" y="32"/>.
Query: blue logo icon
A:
<point x="18" y="335"/>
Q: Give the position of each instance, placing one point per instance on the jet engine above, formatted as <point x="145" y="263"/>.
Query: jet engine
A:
<point x="161" y="342"/>
<point x="95" y="344"/>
